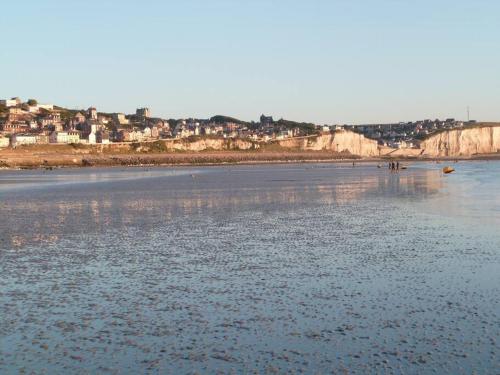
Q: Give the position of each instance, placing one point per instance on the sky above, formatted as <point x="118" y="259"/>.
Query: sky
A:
<point x="322" y="61"/>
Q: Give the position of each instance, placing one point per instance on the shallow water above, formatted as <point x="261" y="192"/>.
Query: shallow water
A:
<point x="275" y="269"/>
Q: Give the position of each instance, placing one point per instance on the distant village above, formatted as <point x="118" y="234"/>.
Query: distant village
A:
<point x="406" y="134"/>
<point x="29" y="123"/>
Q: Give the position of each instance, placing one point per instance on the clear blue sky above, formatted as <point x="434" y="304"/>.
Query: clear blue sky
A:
<point x="327" y="61"/>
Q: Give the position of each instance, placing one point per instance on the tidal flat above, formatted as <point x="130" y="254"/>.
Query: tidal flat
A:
<point x="268" y="269"/>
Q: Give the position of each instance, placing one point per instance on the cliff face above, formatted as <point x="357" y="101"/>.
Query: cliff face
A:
<point x="339" y="141"/>
<point x="218" y="144"/>
<point x="452" y="143"/>
<point x="463" y="142"/>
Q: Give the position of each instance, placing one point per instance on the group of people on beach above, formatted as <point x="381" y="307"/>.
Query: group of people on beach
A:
<point x="393" y="167"/>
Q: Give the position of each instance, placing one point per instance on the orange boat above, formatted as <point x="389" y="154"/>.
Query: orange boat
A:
<point x="447" y="170"/>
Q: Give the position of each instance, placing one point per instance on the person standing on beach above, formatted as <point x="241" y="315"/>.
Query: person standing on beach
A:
<point x="397" y="166"/>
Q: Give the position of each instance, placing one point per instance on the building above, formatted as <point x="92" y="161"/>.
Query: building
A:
<point x="12" y="127"/>
<point x="92" y="138"/>
<point x="16" y="111"/>
<point x="102" y="136"/>
<point x="155" y="132"/>
<point x="33" y="109"/>
<point x="64" y="137"/>
<point x="22" y="140"/>
<point x="90" y="126"/>
<point x="78" y="119"/>
<point x="47" y="107"/>
<point x="42" y="139"/>
<point x="143" y="113"/>
<point x="92" y="113"/>
<point x="11" y="102"/>
<point x="125" y="135"/>
<point x="120" y="118"/>
<point x="266" y="120"/>
<point x="51" y="120"/>
<point x="103" y="119"/>
<point x="4" y="142"/>
<point x="8" y="103"/>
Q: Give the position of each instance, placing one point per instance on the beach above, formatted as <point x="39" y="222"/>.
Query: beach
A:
<point x="308" y="268"/>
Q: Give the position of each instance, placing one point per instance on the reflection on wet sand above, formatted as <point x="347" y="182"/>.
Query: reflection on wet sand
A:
<point x="64" y="214"/>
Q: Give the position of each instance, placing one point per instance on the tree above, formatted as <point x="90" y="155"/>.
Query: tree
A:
<point x="32" y="102"/>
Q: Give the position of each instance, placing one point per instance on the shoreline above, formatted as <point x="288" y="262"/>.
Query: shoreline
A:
<point x="24" y="159"/>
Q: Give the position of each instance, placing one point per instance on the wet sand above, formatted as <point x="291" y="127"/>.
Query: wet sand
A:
<point x="304" y="268"/>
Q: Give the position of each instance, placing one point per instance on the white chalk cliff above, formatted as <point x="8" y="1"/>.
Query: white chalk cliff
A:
<point x="338" y="141"/>
<point x="463" y="142"/>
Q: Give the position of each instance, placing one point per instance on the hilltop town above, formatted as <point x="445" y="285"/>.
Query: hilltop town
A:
<point x="30" y="122"/>
<point x="27" y="123"/>
<point x="407" y="134"/>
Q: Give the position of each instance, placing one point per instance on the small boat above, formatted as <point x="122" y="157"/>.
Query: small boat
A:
<point x="404" y="167"/>
<point x="447" y="170"/>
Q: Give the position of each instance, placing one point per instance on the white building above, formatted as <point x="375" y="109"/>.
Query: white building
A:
<point x="92" y="138"/>
<point x="48" y="107"/>
<point x="120" y="118"/>
<point x="4" y="142"/>
<point x="137" y="136"/>
<point x="22" y="140"/>
<point x="64" y="137"/>
<point x="11" y="102"/>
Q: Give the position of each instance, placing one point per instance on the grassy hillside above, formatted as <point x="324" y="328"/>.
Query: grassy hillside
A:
<point x="220" y="119"/>
<point x="306" y="127"/>
<point x="66" y="113"/>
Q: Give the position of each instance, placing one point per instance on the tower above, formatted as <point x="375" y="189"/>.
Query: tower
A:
<point x="143" y="113"/>
<point x="92" y="113"/>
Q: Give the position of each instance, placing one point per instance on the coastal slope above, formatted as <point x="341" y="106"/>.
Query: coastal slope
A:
<point x="340" y="141"/>
<point x="480" y="139"/>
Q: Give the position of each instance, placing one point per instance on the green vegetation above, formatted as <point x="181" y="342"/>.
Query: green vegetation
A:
<point x="134" y="146"/>
<point x="3" y="110"/>
<point x="32" y="102"/>
<point x="66" y="114"/>
<point x="219" y="119"/>
<point x="305" y="127"/>
<point x="150" y="147"/>
<point x="158" y="146"/>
